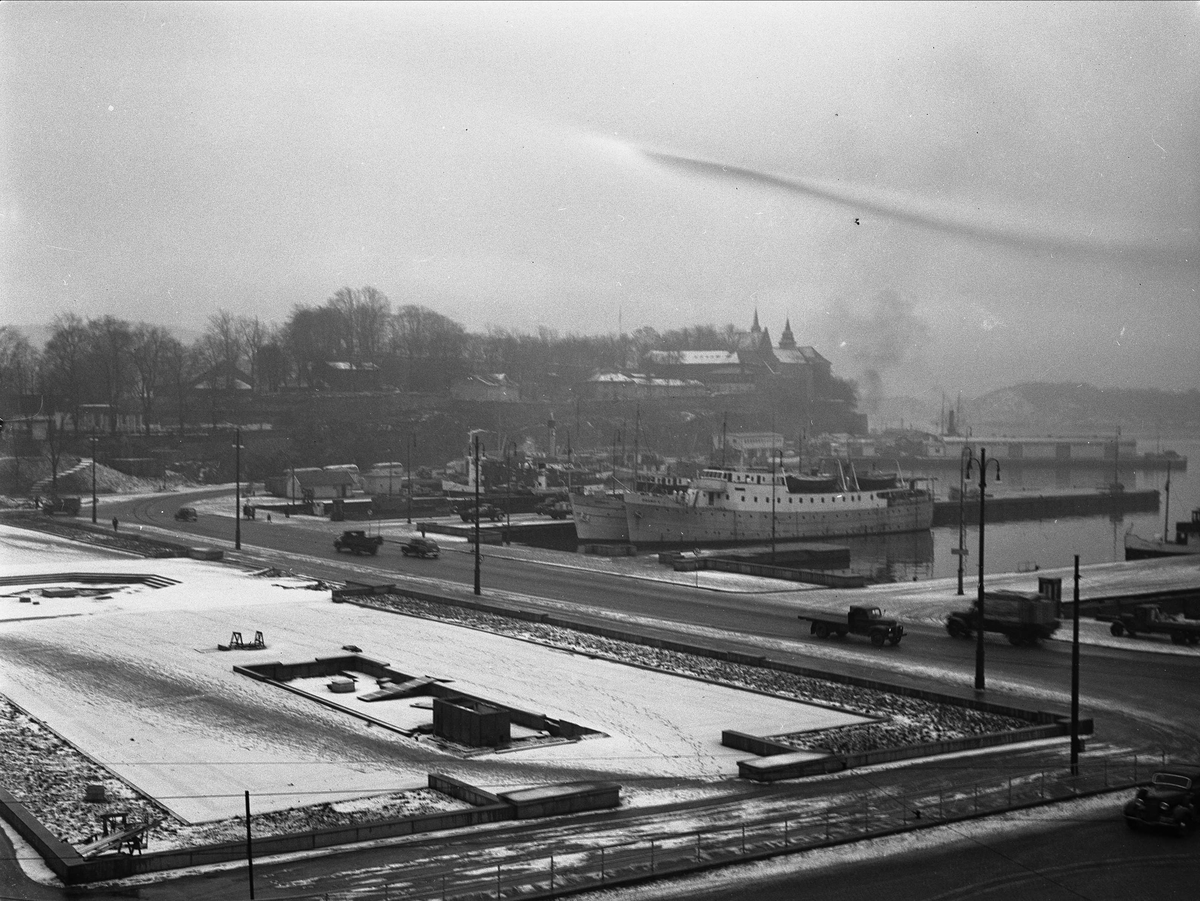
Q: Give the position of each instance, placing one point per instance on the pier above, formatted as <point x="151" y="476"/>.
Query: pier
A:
<point x="1045" y="505"/>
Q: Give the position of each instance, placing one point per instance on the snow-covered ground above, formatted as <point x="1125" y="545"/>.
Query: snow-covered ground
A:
<point x="131" y="675"/>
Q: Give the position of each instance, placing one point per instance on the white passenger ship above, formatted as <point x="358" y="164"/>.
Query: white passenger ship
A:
<point x="734" y="506"/>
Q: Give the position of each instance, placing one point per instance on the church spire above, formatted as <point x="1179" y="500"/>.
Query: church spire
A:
<point x="755" y="329"/>
<point x="787" y="340"/>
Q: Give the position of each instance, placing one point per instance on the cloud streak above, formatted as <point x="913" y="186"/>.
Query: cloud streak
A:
<point x="976" y="223"/>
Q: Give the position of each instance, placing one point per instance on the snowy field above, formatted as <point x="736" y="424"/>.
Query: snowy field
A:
<point x="131" y="675"/>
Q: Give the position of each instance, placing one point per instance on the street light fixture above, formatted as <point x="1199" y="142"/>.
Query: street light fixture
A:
<point x="93" y="478"/>
<point x="477" y="481"/>
<point x="237" y="509"/>
<point x="508" y="489"/>
<point x="960" y="551"/>
<point x="983" y="465"/>
<point x="412" y="440"/>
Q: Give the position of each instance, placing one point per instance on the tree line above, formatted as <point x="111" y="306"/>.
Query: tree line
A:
<point x="144" y="368"/>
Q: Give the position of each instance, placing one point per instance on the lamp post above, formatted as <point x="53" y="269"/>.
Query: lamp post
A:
<point x="773" y="452"/>
<point x="1075" y="742"/>
<point x="237" y="508"/>
<point x="983" y="464"/>
<point x="412" y="440"/>
<point x="477" y="480"/>
<point x="391" y="466"/>
<point x="961" y="551"/>
<point x="508" y="489"/>
<point x="93" y="478"/>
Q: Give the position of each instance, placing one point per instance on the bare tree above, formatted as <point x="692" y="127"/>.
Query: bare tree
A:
<point x="65" y="365"/>
<point x="254" y="335"/>
<point x="221" y="347"/>
<point x="111" y="340"/>
<point x="310" y="338"/>
<point x="19" y="362"/>
<point x="152" y="351"/>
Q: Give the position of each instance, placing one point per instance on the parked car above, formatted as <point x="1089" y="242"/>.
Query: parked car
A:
<point x="186" y="514"/>
<point x="420" y="547"/>
<point x="1170" y="801"/>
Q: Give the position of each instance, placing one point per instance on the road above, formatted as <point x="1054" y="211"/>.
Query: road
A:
<point x="1139" y="700"/>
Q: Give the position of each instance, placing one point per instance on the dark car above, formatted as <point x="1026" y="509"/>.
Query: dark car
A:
<point x="554" y="509"/>
<point x="356" y="541"/>
<point x="1170" y="801"/>
<point x="186" y="514"/>
<point x="486" y="511"/>
<point x="420" y="547"/>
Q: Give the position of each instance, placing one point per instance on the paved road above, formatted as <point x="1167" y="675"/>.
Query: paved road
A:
<point x="1140" y="700"/>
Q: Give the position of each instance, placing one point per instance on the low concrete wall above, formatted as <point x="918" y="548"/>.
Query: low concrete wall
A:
<point x="755" y="744"/>
<point x="797" y="765"/>
<point x="74" y="870"/>
<point x="59" y="856"/>
<point x="556" y="800"/>
<point x="463" y="791"/>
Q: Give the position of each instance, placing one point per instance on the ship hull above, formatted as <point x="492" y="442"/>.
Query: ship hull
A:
<point x="1148" y="549"/>
<point x="599" y="518"/>
<point x="653" y="522"/>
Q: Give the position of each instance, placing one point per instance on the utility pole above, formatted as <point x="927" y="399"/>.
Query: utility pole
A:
<point x="249" y="849"/>
<point x="960" y="551"/>
<point x="237" y="512"/>
<point x="94" y="477"/>
<point x="1075" y="679"/>
<point x="412" y="439"/>
<point x="773" y="487"/>
<point x="983" y="463"/>
<point x="477" y="480"/>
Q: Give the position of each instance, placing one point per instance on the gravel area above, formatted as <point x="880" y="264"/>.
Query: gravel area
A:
<point x="50" y="776"/>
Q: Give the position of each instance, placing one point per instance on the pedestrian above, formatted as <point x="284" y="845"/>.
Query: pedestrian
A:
<point x="114" y="524"/>
<point x="268" y="517"/>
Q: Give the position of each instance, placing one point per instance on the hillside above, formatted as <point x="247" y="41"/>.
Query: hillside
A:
<point x="1042" y="408"/>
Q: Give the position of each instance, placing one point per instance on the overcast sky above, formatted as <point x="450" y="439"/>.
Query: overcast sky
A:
<point x="961" y="196"/>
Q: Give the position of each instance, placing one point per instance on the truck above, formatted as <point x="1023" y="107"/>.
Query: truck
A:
<point x="858" y="620"/>
<point x="1148" y="619"/>
<point x="358" y="542"/>
<point x="1022" y="617"/>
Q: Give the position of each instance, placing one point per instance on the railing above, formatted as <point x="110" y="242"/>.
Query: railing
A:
<point x="862" y="815"/>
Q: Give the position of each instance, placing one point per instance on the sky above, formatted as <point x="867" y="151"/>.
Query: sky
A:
<point x="956" y="196"/>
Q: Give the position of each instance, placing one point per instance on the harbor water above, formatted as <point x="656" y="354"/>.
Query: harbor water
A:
<point x="1045" y="543"/>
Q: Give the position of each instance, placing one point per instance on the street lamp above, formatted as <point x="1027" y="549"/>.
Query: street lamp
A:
<point x="983" y="464"/>
<point x="773" y="492"/>
<point x="961" y="551"/>
<point x="508" y="488"/>
<point x="412" y="440"/>
<point x="477" y="481"/>
<point x="237" y="509"/>
<point x="93" y="478"/>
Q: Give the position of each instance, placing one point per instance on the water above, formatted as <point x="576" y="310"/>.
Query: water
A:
<point x="1046" y="543"/>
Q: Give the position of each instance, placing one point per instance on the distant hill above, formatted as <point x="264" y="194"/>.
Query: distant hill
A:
<point x="1044" y="408"/>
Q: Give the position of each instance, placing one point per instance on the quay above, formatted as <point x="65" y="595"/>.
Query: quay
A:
<point x="1045" y="505"/>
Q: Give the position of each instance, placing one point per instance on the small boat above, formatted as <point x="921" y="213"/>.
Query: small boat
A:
<point x="1187" y="541"/>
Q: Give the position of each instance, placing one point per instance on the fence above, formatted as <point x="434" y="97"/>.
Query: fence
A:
<point x="867" y="814"/>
